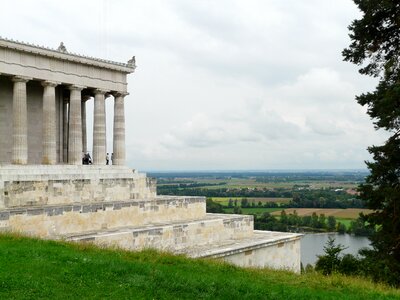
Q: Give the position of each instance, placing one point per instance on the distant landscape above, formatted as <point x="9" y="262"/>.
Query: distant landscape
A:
<point x="306" y="201"/>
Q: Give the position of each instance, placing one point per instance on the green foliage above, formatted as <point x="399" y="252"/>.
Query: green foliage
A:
<point x="237" y="210"/>
<point x="349" y="265"/>
<point x="329" y="262"/>
<point x="213" y="207"/>
<point x="36" y="269"/>
<point x="331" y="224"/>
<point x="360" y="227"/>
<point x="375" y="44"/>
<point x="244" y="202"/>
<point x="341" y="228"/>
<point x="294" y="222"/>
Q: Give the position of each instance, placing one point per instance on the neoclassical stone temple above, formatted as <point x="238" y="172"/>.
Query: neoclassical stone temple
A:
<point x="45" y="190"/>
<point x="43" y="105"/>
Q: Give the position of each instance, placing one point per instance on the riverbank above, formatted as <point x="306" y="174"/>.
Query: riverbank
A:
<point x="36" y="269"/>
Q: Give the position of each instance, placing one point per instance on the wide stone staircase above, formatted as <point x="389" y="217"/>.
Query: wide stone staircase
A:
<point x="39" y="206"/>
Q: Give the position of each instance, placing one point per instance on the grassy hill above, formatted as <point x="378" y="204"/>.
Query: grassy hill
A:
<point x="36" y="269"/>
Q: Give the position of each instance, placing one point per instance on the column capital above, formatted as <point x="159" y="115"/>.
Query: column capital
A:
<point x="120" y="94"/>
<point x="50" y="83"/>
<point x="100" y="91"/>
<point x="21" y="79"/>
<point x="76" y="87"/>
<point x="86" y="98"/>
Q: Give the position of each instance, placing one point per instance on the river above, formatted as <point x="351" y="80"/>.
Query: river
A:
<point x="313" y="244"/>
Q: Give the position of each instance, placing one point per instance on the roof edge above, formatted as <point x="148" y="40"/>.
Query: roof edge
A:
<point x="70" y="56"/>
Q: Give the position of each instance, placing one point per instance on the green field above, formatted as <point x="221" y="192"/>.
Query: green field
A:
<point x="341" y="213"/>
<point x="345" y="222"/>
<point x="35" y="269"/>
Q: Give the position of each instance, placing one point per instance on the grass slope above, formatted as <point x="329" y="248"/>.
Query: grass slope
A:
<point x="33" y="269"/>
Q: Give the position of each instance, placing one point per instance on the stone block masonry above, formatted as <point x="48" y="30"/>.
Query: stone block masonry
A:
<point x="25" y="186"/>
<point x="55" y="221"/>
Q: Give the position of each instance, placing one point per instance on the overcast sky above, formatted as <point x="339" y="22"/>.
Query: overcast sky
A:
<point x="220" y="85"/>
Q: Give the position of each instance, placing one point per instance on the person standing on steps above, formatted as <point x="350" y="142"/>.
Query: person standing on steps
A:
<point x="107" y="159"/>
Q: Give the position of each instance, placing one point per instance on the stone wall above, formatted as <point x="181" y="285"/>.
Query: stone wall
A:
<point x="283" y="253"/>
<point x="175" y="237"/>
<point x="27" y="186"/>
<point x="59" y="220"/>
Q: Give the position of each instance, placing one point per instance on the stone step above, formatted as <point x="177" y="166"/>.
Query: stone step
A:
<point x="55" y="220"/>
<point x="173" y="236"/>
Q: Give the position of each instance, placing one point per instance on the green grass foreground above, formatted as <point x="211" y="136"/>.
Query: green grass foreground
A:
<point x="36" y="269"/>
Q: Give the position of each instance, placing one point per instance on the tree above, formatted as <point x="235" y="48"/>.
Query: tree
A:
<point x="213" y="207"/>
<point x="329" y="262"/>
<point x="284" y="218"/>
<point x="341" y="228"/>
<point x="331" y="223"/>
<point x="321" y="221"/>
<point x="375" y="46"/>
<point x="237" y="210"/>
<point x="314" y="220"/>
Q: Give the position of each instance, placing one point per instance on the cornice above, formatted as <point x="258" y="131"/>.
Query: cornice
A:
<point x="68" y="56"/>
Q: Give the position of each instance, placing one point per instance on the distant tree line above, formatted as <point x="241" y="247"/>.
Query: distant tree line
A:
<point x="324" y="198"/>
<point x="321" y="198"/>
<point x="181" y="190"/>
<point x="294" y="222"/>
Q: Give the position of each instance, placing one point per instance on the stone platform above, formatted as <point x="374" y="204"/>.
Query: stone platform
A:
<point x="33" y="185"/>
<point x="116" y="206"/>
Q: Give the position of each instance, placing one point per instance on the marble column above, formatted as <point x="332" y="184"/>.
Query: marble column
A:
<point x="119" y="130"/>
<point x="20" y="121"/>
<point x="75" y="126"/>
<point x="99" y="128"/>
<point x="49" y="123"/>
<point x="84" y="131"/>
<point x="65" y="129"/>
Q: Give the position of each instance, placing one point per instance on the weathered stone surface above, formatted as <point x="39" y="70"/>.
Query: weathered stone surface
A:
<point x="51" y="185"/>
<point x="55" y="220"/>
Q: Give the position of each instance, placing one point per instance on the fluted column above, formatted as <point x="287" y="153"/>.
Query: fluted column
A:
<point x="119" y="130"/>
<point x="65" y="130"/>
<point x="75" y="126"/>
<point x="20" y="121"/>
<point x="99" y="128"/>
<point x="49" y="123"/>
<point x="84" y="131"/>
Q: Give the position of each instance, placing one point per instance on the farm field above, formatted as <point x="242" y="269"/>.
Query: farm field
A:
<point x="261" y="180"/>
<point x="239" y="183"/>
<point x="348" y="213"/>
